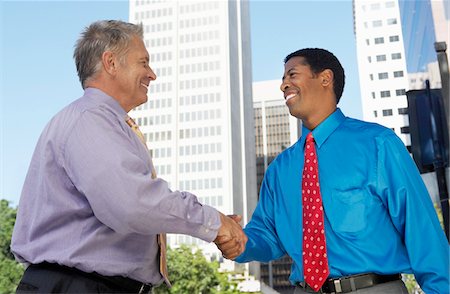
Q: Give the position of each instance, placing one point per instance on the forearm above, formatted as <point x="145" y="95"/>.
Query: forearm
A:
<point x="260" y="247"/>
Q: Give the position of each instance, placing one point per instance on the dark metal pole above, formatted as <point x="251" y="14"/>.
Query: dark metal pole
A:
<point x="441" y="48"/>
<point x="443" y="196"/>
<point x="270" y="275"/>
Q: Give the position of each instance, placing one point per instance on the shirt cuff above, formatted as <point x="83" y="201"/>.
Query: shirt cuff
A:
<point x="210" y="228"/>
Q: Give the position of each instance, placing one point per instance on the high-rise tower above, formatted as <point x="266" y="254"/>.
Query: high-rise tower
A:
<point x="395" y="47"/>
<point x="382" y="65"/>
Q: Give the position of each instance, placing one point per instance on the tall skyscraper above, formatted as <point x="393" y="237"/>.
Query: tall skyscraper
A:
<point x="395" y="47"/>
<point x="198" y="120"/>
<point x="382" y="64"/>
<point x="275" y="130"/>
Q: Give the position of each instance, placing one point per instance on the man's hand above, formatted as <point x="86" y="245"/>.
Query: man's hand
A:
<point x="231" y="239"/>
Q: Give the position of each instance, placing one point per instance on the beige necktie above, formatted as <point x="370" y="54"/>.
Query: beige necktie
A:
<point x="161" y="237"/>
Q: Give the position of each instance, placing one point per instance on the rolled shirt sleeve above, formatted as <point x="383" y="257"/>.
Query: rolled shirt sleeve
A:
<point x="263" y="242"/>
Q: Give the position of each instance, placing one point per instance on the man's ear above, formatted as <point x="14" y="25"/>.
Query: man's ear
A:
<point x="327" y="77"/>
<point x="109" y="62"/>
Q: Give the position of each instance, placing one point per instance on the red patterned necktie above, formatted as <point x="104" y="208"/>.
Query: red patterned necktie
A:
<point x="161" y="237"/>
<point x="315" y="264"/>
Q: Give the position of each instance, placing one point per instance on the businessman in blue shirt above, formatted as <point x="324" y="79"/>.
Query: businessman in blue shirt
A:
<point x="379" y="220"/>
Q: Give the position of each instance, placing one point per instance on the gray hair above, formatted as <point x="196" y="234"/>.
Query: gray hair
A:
<point x="101" y="36"/>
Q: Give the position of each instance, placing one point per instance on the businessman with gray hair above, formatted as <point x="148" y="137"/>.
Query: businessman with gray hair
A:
<point x="93" y="215"/>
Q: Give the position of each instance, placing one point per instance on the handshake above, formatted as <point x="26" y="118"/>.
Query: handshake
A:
<point x="231" y="239"/>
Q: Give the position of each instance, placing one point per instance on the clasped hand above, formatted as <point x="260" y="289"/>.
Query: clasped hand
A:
<point x="231" y="239"/>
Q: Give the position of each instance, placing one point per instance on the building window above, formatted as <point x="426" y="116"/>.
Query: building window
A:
<point x="385" y="94"/>
<point x="379" y="40"/>
<point x="403" y="110"/>
<point x="374" y="6"/>
<point x="390" y="4"/>
<point x="375" y="113"/>
<point x="370" y="59"/>
<point x="387" y="112"/>
<point x="396" y="56"/>
<point x="398" y="74"/>
<point x="400" y="92"/>
<point x="373" y="95"/>
<point x="404" y="130"/>
<point x="381" y="57"/>
<point x="392" y="21"/>
<point x="383" y="75"/>
<point x="376" y="23"/>
<point x="371" y="77"/>
<point x="394" y="39"/>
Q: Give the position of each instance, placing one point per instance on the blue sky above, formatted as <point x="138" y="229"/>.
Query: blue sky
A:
<point x="38" y="76"/>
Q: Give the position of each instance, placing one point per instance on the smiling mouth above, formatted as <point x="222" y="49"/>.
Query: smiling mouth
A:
<point x="144" y="85"/>
<point x="290" y="96"/>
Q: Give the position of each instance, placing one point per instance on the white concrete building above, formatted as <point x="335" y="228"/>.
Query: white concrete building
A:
<point x="382" y="65"/>
<point x="198" y="120"/>
<point x="395" y="47"/>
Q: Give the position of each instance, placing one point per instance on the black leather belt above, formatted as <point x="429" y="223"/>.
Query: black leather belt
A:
<point x="350" y="283"/>
<point x="118" y="282"/>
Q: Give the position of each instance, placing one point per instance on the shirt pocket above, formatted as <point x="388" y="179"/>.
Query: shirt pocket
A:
<point x="347" y="210"/>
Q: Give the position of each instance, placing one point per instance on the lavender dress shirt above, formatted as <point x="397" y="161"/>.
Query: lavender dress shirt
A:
<point x="89" y="202"/>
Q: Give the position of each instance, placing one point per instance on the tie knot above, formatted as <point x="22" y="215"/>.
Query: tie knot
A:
<point x="309" y="138"/>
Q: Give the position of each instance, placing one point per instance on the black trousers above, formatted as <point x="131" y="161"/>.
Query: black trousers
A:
<point x="54" y="278"/>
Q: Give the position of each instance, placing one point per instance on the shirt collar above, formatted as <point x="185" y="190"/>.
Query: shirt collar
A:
<point x="108" y="100"/>
<point x="325" y="128"/>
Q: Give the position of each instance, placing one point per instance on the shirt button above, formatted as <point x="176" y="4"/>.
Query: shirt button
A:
<point x="189" y="216"/>
<point x="206" y="230"/>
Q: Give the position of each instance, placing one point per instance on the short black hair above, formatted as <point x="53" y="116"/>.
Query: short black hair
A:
<point x="319" y="60"/>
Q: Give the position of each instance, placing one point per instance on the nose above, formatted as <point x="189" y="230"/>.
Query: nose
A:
<point x="284" y="85"/>
<point x="151" y="74"/>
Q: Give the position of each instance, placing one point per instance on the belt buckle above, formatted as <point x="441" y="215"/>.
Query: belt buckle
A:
<point x="337" y="286"/>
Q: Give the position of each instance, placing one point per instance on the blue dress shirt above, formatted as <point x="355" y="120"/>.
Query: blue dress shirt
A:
<point x="89" y="202"/>
<point x="378" y="214"/>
